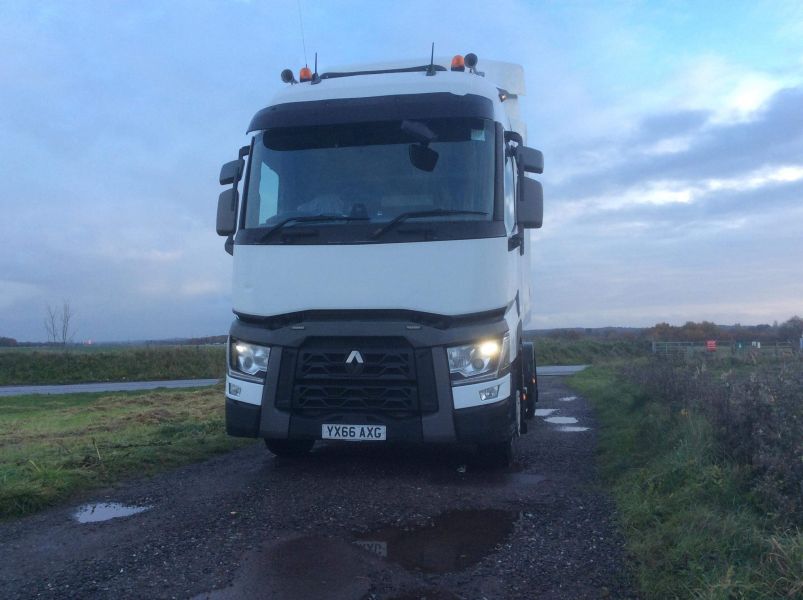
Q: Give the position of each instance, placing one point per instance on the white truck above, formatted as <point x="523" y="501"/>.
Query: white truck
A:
<point x="381" y="259"/>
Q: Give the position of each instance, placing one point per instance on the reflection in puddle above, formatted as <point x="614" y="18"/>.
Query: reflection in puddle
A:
<point x="570" y="428"/>
<point x="544" y="412"/>
<point x="456" y="540"/>
<point x="568" y="399"/>
<point x="103" y="511"/>
<point x="560" y="420"/>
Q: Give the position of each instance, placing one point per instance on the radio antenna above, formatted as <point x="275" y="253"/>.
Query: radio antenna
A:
<point x="301" y="23"/>
<point x="431" y="67"/>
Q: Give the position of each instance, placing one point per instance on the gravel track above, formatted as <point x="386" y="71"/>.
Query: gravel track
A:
<point x="247" y="525"/>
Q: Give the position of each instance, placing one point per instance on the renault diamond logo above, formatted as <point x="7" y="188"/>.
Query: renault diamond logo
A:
<point x="355" y="356"/>
<point x="355" y="362"/>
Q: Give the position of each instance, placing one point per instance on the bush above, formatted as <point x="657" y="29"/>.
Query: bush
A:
<point x="701" y="486"/>
<point x="756" y="418"/>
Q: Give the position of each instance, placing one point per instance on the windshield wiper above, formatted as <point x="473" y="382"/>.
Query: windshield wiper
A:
<point x="438" y="212"/>
<point x="307" y="219"/>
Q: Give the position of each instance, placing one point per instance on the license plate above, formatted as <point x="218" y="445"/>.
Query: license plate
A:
<point x="354" y="433"/>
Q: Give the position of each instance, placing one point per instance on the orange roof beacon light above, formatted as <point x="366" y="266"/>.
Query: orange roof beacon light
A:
<point x="305" y="74"/>
<point x="457" y="63"/>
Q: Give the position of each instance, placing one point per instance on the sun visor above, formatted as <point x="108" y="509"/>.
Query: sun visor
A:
<point x="376" y="108"/>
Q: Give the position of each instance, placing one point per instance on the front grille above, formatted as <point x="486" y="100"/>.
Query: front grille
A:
<point x="385" y="398"/>
<point x="381" y="364"/>
<point x="385" y="382"/>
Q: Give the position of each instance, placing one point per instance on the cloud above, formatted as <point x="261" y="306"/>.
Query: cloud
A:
<point x="117" y="117"/>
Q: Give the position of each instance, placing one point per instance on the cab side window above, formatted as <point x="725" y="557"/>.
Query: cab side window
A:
<point x="510" y="195"/>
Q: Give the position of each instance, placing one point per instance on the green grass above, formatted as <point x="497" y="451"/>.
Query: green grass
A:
<point x="119" y="364"/>
<point x="554" y="351"/>
<point x="52" y="447"/>
<point x="690" y="526"/>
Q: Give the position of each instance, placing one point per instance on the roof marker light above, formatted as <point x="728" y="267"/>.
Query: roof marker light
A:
<point x="457" y="63"/>
<point x="305" y="74"/>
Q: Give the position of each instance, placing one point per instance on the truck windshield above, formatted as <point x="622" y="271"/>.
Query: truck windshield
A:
<point x="373" y="172"/>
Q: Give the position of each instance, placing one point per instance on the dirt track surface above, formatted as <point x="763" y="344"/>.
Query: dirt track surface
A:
<point x="349" y="522"/>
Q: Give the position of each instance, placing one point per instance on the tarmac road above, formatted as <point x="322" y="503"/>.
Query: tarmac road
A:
<point x="106" y="386"/>
<point x="350" y="522"/>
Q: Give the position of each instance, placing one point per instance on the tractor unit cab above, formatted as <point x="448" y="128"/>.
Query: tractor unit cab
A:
<point x="381" y="261"/>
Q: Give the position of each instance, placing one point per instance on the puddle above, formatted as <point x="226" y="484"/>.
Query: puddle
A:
<point x="103" y="511"/>
<point x="300" y="568"/>
<point x="561" y="420"/>
<point x="568" y="399"/>
<point x="570" y="428"/>
<point x="544" y="412"/>
<point x="454" y="541"/>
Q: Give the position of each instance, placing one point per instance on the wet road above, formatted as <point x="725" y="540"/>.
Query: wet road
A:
<point x="551" y="371"/>
<point x="351" y="522"/>
<point x="108" y="386"/>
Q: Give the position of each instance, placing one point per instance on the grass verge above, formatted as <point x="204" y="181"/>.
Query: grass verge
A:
<point x="691" y="528"/>
<point x="52" y="447"/>
<point x="41" y="367"/>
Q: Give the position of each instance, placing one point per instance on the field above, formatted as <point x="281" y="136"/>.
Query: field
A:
<point x="41" y="367"/>
<point x="706" y="467"/>
<point x="556" y="351"/>
<point x="52" y="447"/>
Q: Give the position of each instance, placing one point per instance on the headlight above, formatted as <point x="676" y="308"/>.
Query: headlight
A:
<point x="486" y="359"/>
<point x="248" y="359"/>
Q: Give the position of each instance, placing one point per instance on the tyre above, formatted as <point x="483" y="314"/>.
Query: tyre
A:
<point x="496" y="456"/>
<point x="290" y="447"/>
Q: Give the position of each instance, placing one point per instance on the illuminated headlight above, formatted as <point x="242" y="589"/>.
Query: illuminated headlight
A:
<point x="485" y="359"/>
<point x="248" y="359"/>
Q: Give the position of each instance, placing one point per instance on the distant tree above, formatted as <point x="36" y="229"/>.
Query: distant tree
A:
<point x="7" y="341"/>
<point x="59" y="323"/>
<point x="791" y="330"/>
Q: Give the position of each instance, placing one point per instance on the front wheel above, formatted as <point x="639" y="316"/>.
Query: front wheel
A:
<point x="496" y="456"/>
<point x="290" y="447"/>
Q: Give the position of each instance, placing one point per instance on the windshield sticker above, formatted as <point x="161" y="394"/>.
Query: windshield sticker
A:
<point x="477" y="135"/>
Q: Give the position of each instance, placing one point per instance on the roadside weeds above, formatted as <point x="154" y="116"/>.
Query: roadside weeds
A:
<point x="691" y="521"/>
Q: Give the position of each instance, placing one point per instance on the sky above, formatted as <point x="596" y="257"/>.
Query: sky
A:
<point x="672" y="133"/>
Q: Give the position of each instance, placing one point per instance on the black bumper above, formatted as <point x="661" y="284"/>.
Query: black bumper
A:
<point x="480" y="425"/>
<point x="487" y="424"/>
<point x="242" y="419"/>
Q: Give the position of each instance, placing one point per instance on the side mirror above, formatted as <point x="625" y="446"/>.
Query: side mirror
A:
<point x="529" y="160"/>
<point x="231" y="172"/>
<point x="227" y="212"/>
<point x="530" y="205"/>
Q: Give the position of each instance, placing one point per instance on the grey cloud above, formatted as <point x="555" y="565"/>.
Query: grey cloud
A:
<point x="668" y="125"/>
<point x="773" y="138"/>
